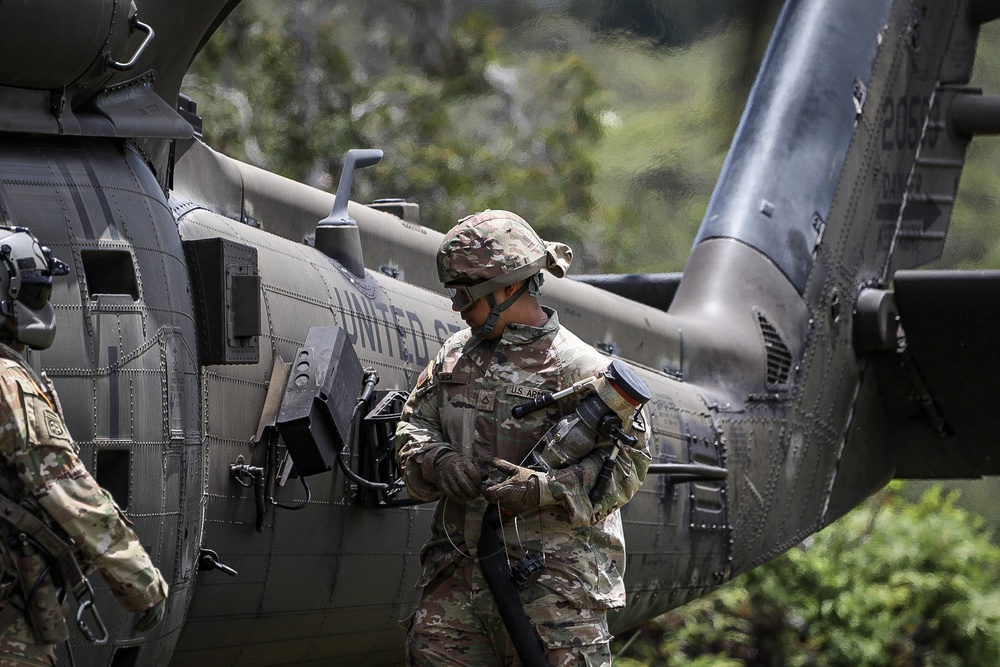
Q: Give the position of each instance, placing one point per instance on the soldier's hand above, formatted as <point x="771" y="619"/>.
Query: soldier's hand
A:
<point x="153" y="616"/>
<point x="520" y="492"/>
<point x="457" y="476"/>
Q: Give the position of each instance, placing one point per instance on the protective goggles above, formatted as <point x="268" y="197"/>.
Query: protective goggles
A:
<point x="463" y="296"/>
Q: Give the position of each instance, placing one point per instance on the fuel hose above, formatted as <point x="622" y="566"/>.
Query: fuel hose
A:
<point x="497" y="574"/>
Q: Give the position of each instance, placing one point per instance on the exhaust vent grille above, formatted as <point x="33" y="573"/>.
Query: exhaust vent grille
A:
<point x="779" y="358"/>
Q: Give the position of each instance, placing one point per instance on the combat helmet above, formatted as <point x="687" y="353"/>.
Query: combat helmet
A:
<point x="493" y="249"/>
<point x="26" y="270"/>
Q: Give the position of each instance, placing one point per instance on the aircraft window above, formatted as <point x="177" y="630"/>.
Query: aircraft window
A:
<point x="113" y="473"/>
<point x="109" y="272"/>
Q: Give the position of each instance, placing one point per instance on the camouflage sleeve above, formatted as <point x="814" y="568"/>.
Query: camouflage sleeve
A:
<point x="570" y="487"/>
<point x="47" y="464"/>
<point x="419" y="438"/>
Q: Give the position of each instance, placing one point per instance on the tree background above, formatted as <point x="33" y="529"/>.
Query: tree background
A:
<point x="543" y="108"/>
<point x="605" y="124"/>
<point x="894" y="582"/>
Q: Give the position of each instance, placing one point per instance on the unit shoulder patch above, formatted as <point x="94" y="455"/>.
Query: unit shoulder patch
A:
<point x="425" y="375"/>
<point x="53" y="424"/>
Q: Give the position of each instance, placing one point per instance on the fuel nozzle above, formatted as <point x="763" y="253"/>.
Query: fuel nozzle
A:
<point x="617" y="394"/>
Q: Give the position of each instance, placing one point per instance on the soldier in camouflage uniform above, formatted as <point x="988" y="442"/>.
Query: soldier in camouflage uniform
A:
<point x="40" y="471"/>
<point x="457" y="430"/>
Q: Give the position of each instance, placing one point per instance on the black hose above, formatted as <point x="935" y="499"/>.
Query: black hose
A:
<point x="356" y="417"/>
<point x="358" y="479"/>
<point x="300" y="505"/>
<point x="494" y="566"/>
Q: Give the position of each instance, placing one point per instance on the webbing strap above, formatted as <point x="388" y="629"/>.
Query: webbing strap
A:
<point x="58" y="548"/>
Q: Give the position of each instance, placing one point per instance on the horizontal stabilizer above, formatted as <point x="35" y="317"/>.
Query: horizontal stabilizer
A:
<point x="939" y="392"/>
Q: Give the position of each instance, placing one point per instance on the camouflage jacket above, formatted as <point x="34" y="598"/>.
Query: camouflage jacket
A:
<point x="463" y="401"/>
<point x="38" y="460"/>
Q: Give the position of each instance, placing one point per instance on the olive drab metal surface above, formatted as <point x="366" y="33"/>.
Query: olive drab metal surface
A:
<point x="782" y="364"/>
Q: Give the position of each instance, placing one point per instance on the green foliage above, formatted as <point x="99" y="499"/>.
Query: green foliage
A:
<point x="463" y="129"/>
<point x="660" y="188"/>
<point x="974" y="236"/>
<point x="472" y="115"/>
<point x="891" y="583"/>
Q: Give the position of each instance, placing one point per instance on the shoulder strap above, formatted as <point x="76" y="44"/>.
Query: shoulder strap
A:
<point x="57" y="547"/>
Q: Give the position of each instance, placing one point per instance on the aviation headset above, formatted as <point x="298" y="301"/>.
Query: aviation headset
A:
<point x="25" y="288"/>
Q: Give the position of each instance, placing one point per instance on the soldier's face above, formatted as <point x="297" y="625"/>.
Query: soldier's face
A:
<point x="476" y="314"/>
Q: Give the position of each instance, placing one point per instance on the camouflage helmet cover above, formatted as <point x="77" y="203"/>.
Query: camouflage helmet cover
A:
<point x="490" y="245"/>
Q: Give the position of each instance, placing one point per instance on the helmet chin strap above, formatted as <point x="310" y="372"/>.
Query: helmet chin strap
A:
<point x="495" y="310"/>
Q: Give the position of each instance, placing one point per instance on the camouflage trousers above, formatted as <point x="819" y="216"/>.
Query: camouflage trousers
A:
<point x="19" y="647"/>
<point x="457" y="623"/>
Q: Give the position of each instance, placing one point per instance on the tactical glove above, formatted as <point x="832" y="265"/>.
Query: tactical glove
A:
<point x="152" y="617"/>
<point x="457" y="476"/>
<point x="520" y="492"/>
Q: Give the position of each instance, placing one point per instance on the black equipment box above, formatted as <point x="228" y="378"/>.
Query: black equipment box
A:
<point x="316" y="412"/>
